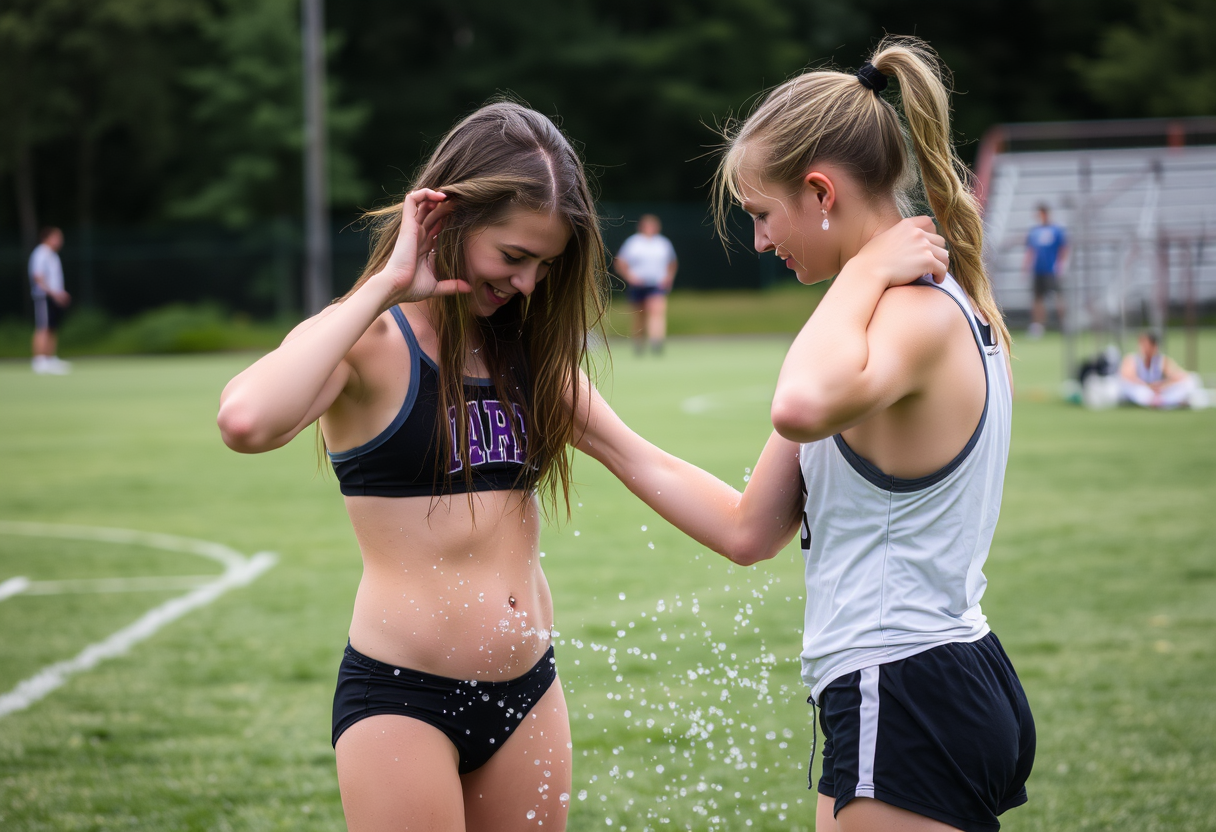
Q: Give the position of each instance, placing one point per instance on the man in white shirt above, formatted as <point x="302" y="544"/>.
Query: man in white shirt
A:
<point x="647" y="263"/>
<point x="50" y="299"/>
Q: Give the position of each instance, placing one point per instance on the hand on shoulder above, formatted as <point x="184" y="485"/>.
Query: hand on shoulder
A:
<point x="906" y="252"/>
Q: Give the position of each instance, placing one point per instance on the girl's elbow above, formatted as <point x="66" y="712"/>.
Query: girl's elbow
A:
<point x="748" y="551"/>
<point x="800" y="418"/>
<point x="239" y="429"/>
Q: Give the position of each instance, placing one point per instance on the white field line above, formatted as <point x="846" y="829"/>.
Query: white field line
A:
<point x="238" y="571"/>
<point x="155" y="583"/>
<point x="13" y="586"/>
<point x="706" y="402"/>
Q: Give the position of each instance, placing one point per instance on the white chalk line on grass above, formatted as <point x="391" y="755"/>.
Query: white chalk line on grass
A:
<point x="722" y="399"/>
<point x="238" y="571"/>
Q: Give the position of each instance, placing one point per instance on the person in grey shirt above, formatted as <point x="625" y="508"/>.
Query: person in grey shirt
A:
<point x="50" y="301"/>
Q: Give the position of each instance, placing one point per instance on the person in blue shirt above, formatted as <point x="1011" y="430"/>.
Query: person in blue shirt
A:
<point x="1046" y="254"/>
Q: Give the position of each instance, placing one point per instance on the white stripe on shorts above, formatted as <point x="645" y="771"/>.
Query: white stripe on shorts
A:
<point x="867" y="738"/>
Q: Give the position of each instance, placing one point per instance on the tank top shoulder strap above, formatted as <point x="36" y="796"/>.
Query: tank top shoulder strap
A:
<point x="985" y="337"/>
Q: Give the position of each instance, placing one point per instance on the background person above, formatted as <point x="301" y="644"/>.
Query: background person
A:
<point x="1046" y="255"/>
<point x="1150" y="378"/>
<point x="647" y="263"/>
<point x="50" y="301"/>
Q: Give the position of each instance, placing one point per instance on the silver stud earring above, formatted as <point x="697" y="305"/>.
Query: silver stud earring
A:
<point x="825" y="220"/>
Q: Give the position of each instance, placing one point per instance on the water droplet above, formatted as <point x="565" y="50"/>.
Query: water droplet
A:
<point x="397" y="672"/>
<point x="485" y="697"/>
<point x="651" y="545"/>
<point x="582" y="794"/>
<point x="622" y="596"/>
<point x="564" y="797"/>
<point x="643" y="528"/>
<point x="531" y="814"/>
<point x="577" y="532"/>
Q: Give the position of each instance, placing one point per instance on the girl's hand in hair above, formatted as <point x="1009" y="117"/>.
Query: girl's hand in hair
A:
<point x="904" y="253"/>
<point x="410" y="268"/>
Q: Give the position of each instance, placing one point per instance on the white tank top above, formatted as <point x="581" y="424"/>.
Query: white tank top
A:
<point x="894" y="566"/>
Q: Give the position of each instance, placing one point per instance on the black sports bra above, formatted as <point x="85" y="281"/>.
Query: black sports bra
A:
<point x="401" y="461"/>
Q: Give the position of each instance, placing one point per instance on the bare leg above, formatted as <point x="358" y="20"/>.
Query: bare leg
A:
<point x="656" y="318"/>
<point x="1038" y="312"/>
<point x="639" y="325"/>
<point x="39" y="346"/>
<point x="396" y="773"/>
<point x="864" y="814"/>
<point x="52" y="343"/>
<point x="526" y="785"/>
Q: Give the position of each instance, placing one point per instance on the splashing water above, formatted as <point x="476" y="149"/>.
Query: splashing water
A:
<point x="694" y="726"/>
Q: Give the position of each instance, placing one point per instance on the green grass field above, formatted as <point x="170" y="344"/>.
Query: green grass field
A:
<point x="680" y="668"/>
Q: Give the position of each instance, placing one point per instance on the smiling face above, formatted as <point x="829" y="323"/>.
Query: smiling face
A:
<point x="511" y="257"/>
<point x="790" y="224"/>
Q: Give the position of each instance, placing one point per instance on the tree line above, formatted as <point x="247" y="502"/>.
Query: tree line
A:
<point x="138" y="113"/>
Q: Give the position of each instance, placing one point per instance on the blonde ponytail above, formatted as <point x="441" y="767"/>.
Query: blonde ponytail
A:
<point x="835" y="117"/>
<point x="947" y="183"/>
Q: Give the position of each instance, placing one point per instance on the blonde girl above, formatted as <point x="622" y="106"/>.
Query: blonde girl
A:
<point x="892" y="424"/>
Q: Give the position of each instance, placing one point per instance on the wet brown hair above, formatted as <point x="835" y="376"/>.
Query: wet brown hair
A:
<point x="503" y="157"/>
<point x="826" y="116"/>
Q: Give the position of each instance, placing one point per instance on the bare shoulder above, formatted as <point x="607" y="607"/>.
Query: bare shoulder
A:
<point x="918" y="315"/>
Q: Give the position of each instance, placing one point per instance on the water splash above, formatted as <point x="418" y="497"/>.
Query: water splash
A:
<point x="704" y="724"/>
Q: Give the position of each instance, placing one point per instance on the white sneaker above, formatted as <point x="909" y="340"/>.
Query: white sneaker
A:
<point x="55" y="367"/>
<point x="39" y="365"/>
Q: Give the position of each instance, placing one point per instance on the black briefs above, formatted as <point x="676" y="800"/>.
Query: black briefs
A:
<point x="478" y="717"/>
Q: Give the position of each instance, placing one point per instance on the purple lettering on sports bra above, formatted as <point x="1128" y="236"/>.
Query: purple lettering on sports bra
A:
<point x="502" y="438"/>
<point x="521" y="445"/>
<point x="504" y="444"/>
<point x="477" y="441"/>
<point x="476" y="454"/>
<point x="454" y="463"/>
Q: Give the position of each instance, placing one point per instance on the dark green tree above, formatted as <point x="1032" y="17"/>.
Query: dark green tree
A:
<point x="247" y="120"/>
<point x="1162" y="63"/>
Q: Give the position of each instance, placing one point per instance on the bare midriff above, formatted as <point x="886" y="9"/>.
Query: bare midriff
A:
<point x="448" y="596"/>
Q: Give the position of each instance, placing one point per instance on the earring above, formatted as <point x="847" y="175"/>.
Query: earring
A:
<point x="825" y="220"/>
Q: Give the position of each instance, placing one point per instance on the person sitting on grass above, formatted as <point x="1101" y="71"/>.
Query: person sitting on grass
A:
<point x="1150" y="378"/>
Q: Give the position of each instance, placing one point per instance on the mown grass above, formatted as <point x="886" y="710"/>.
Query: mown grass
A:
<point x="1102" y="586"/>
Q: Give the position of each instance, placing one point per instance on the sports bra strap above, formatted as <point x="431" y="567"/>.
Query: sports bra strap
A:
<point x="404" y="325"/>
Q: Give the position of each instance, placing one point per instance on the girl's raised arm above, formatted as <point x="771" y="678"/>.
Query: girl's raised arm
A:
<point x="265" y="406"/>
<point x="746" y="528"/>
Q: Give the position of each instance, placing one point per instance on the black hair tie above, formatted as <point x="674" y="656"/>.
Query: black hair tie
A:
<point x="871" y="78"/>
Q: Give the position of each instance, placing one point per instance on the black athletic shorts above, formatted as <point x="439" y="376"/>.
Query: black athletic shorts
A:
<point x="637" y="294"/>
<point x="478" y="717"/>
<point x="47" y="314"/>
<point x="1046" y="284"/>
<point x="946" y="733"/>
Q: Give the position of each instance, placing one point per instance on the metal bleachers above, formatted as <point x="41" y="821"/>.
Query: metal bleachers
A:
<point x="1141" y="225"/>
